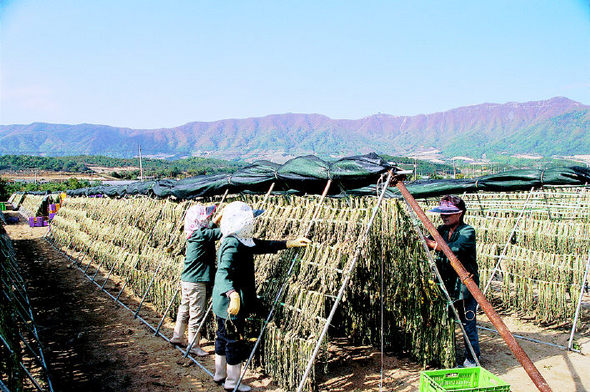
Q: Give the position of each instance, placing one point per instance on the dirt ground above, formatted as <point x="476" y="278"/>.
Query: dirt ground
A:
<point x="93" y="344"/>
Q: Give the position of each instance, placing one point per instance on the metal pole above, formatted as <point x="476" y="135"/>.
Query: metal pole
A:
<point x="97" y="269"/>
<point x="148" y="289"/>
<point x="479" y="202"/>
<point x="272" y="186"/>
<point x="282" y="288"/>
<point x="467" y="280"/>
<point x="547" y="204"/>
<point x="485" y="290"/>
<point x="582" y="285"/>
<point x="140" y="166"/>
<point x="108" y="276"/>
<point x="359" y="248"/>
<point x="193" y="340"/>
<point x="440" y="280"/>
<point x="167" y="310"/>
<point x="530" y="339"/>
<point x="317" y="210"/>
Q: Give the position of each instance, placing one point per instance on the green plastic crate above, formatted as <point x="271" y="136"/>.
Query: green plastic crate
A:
<point x="2" y="206"/>
<point x="475" y="379"/>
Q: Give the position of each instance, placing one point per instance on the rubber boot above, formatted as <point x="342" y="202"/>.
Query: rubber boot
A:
<point x="220" y="370"/>
<point x="196" y="348"/>
<point x="233" y="375"/>
<point x="178" y="336"/>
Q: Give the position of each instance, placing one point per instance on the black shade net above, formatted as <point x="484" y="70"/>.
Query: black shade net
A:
<point x="357" y="175"/>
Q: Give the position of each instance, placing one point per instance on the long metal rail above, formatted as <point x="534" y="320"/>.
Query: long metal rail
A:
<point x="145" y="322"/>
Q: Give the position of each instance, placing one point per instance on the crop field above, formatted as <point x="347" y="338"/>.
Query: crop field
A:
<point x="535" y="244"/>
<point x="139" y="239"/>
<point x="538" y="244"/>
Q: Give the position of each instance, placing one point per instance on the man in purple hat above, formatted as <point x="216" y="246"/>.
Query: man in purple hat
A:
<point x="461" y="239"/>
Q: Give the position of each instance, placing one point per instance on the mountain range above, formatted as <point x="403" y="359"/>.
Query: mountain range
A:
<point x="558" y="126"/>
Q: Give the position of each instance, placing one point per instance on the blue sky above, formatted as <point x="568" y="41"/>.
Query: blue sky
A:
<point x="151" y="64"/>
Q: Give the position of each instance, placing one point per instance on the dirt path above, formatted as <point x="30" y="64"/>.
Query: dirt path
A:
<point x="93" y="344"/>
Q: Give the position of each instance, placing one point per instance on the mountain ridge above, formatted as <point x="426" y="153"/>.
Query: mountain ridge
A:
<point x="470" y="130"/>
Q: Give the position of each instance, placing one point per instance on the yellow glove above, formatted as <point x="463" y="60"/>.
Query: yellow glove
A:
<point x="234" y="303"/>
<point x="217" y="218"/>
<point x="298" y="243"/>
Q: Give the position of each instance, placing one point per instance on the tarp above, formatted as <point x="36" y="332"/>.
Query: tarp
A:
<point x="307" y="174"/>
<point x="509" y="181"/>
<point x="355" y="175"/>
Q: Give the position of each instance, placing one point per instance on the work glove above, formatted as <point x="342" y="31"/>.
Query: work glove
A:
<point x="298" y="242"/>
<point x="217" y="218"/>
<point x="234" y="304"/>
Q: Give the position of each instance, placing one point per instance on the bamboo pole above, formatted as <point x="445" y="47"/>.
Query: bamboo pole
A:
<point x="467" y="279"/>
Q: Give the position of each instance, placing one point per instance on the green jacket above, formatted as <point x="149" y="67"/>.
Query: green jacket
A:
<point x="235" y="271"/>
<point x="199" y="263"/>
<point x="462" y="243"/>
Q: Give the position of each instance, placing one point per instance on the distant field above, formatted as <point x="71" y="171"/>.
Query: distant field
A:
<point x="44" y="176"/>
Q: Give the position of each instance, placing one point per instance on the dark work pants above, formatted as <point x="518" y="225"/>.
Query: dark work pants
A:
<point x="466" y="309"/>
<point x="229" y="340"/>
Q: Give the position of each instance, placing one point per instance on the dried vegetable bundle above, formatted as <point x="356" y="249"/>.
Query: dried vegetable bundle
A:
<point x="17" y="200"/>
<point x="417" y="314"/>
<point x="31" y="205"/>
<point x="547" y="235"/>
<point x="540" y="284"/>
<point x="132" y="237"/>
<point x="139" y="239"/>
<point x="548" y="203"/>
<point x="417" y="319"/>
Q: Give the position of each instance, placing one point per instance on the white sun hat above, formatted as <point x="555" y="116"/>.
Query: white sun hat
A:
<point x="238" y="221"/>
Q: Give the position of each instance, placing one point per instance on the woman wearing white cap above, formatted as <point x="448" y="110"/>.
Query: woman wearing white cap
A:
<point x="197" y="274"/>
<point x="234" y="292"/>
<point x="461" y="239"/>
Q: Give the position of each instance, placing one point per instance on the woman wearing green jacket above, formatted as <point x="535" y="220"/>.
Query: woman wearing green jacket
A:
<point x="461" y="239"/>
<point x="234" y="291"/>
<point x="197" y="275"/>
